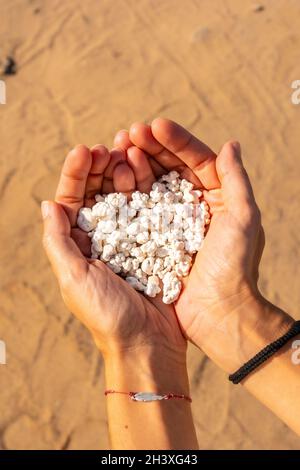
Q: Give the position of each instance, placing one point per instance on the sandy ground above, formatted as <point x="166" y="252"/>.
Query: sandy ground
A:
<point x="86" y="69"/>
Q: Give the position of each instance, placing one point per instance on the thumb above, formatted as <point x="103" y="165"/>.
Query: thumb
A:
<point x="64" y="255"/>
<point x="236" y="187"/>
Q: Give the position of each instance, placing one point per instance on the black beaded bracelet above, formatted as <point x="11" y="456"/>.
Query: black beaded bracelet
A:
<point x="264" y="354"/>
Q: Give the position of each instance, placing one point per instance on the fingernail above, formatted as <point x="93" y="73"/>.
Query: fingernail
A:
<point x="237" y="147"/>
<point x="45" y="207"/>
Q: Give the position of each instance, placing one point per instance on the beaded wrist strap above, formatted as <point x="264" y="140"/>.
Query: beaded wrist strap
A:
<point x="265" y="354"/>
<point x="149" y="396"/>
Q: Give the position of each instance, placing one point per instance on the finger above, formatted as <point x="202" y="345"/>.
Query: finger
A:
<point x="64" y="255"/>
<point x="190" y="150"/>
<point x="100" y="161"/>
<point x="237" y="191"/>
<point x="141" y="135"/>
<point x="71" y="187"/>
<point x="214" y="199"/>
<point x="122" y="139"/>
<point x="123" y="179"/>
<point x="117" y="155"/>
<point x="139" y="162"/>
<point x="157" y="169"/>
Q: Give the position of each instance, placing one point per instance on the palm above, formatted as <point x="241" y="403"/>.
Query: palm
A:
<point x="115" y="308"/>
<point x="214" y="277"/>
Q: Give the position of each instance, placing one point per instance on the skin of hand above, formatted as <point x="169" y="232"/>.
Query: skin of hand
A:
<point x="223" y="279"/>
<point x="140" y="338"/>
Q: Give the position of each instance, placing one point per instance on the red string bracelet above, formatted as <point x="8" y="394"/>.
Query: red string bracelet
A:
<point x="149" y="396"/>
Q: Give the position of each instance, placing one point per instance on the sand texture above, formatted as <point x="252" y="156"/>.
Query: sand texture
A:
<point x="84" y="70"/>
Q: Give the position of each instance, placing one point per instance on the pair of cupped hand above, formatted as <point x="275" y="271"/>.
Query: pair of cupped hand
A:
<point x="225" y="271"/>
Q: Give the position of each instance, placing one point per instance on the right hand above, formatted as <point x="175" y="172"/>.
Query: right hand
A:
<point x="220" y="294"/>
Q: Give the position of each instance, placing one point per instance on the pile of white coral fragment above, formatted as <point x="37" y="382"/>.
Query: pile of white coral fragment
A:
<point x="150" y="240"/>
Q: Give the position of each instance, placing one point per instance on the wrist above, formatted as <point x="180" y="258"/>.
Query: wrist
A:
<point x="147" y="369"/>
<point x="165" y="424"/>
<point x="244" y="330"/>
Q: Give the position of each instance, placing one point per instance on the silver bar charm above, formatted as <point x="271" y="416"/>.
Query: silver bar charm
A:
<point x="147" y="397"/>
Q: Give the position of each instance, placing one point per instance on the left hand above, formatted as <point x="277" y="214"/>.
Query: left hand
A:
<point x="120" y="318"/>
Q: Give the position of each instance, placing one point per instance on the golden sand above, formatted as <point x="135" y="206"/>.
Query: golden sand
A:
<point x="84" y="70"/>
